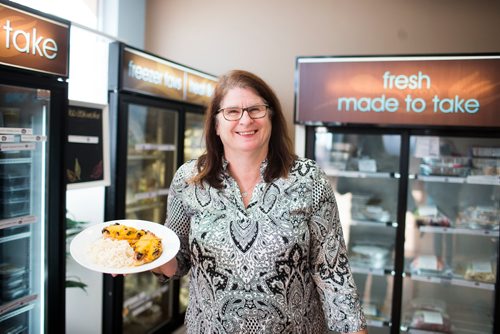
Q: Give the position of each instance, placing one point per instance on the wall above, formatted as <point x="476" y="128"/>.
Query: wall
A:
<point x="266" y="36"/>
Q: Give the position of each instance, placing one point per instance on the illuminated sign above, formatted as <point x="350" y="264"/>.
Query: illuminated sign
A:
<point x="33" y="42"/>
<point x="148" y="74"/>
<point x="451" y="91"/>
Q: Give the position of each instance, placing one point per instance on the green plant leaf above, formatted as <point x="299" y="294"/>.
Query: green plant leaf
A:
<point x="76" y="284"/>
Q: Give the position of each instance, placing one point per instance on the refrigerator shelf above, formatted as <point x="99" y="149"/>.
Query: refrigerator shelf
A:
<point x="373" y="223"/>
<point x="378" y="323"/>
<point x="16" y="304"/>
<point x="374" y="271"/>
<point x="17" y="312"/>
<point x="8" y="161"/>
<point x="486" y="179"/>
<point x="452" y="281"/>
<point x="15" y="237"/>
<point x="356" y="174"/>
<point x="141" y="157"/>
<point x="463" y="231"/>
<point x="18" y="221"/>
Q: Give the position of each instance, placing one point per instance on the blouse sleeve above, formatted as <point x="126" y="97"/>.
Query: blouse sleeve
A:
<point x="329" y="263"/>
<point x="178" y="220"/>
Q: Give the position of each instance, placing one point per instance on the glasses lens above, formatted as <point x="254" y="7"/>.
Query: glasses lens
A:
<point x="235" y="113"/>
<point x="257" y="111"/>
<point x="232" y="113"/>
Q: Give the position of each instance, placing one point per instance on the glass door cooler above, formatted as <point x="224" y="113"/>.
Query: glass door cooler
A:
<point x="364" y="169"/>
<point x="411" y="145"/>
<point x="151" y="161"/>
<point x="33" y="103"/>
<point x="156" y="114"/>
<point x="452" y="231"/>
<point x="31" y="241"/>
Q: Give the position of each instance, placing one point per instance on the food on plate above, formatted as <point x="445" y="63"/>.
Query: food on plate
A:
<point x="147" y="249"/>
<point x="122" y="232"/>
<point x="125" y="246"/>
<point x="111" y="253"/>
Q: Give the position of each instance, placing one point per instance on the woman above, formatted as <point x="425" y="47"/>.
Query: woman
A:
<point x="259" y="227"/>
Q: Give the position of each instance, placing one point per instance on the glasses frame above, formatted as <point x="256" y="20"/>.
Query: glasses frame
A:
<point x="221" y="110"/>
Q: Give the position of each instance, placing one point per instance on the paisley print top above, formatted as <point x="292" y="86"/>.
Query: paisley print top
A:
<point x="277" y="266"/>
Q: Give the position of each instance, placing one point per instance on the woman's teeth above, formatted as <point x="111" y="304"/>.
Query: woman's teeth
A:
<point x="244" y="133"/>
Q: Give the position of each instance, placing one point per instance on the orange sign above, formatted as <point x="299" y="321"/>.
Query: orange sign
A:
<point x="33" y="42"/>
<point x="450" y="91"/>
<point x="148" y="74"/>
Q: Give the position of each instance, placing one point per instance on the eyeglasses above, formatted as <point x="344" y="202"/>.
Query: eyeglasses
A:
<point x="235" y="113"/>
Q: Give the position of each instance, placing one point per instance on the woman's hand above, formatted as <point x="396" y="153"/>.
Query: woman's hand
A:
<point x="168" y="269"/>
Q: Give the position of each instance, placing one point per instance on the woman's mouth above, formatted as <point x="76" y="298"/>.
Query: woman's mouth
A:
<point x="246" y="133"/>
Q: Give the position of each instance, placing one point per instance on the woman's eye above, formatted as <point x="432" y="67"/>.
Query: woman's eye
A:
<point x="232" y="111"/>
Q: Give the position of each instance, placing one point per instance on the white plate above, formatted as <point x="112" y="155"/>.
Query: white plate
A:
<point x="82" y="241"/>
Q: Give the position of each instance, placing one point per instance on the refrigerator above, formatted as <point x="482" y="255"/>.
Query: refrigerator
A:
<point x="156" y="116"/>
<point x="418" y="193"/>
<point x="33" y="102"/>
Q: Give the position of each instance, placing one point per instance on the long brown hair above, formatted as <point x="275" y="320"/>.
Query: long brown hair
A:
<point x="280" y="154"/>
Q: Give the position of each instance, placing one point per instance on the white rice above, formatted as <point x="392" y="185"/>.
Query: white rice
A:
<point x="111" y="253"/>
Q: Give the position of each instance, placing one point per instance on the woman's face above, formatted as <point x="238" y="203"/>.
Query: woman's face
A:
<point x="246" y="135"/>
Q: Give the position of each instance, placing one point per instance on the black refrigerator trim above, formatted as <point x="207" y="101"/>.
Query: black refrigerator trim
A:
<point x="56" y="191"/>
<point x="405" y="133"/>
<point x="113" y="296"/>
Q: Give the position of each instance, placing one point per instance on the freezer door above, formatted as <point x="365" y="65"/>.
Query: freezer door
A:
<point x="452" y="235"/>
<point x="24" y="114"/>
<point x="151" y="163"/>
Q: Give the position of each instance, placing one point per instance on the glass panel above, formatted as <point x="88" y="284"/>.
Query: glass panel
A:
<point x="194" y="144"/>
<point x="151" y="163"/>
<point x="451" y="248"/>
<point x="362" y="169"/>
<point x="23" y="133"/>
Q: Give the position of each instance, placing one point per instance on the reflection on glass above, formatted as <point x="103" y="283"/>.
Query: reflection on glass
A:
<point x="194" y="144"/>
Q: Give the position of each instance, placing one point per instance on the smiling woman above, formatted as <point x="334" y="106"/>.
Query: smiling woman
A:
<point x="259" y="227"/>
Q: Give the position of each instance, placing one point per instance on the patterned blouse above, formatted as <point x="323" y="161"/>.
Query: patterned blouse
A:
<point x="277" y="266"/>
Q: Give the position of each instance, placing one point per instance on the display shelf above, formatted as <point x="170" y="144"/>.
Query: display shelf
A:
<point x="371" y="223"/>
<point x="150" y="194"/>
<point x="356" y="174"/>
<point x="463" y="231"/>
<point x="15" y="237"/>
<point x="138" y="208"/>
<point x="17" y="221"/>
<point x="155" y="147"/>
<point x="17" y="304"/>
<point x="141" y="157"/>
<point x="478" y="179"/>
<point x="374" y="271"/>
<point x="378" y="323"/>
<point x="141" y="302"/>
<point x="16" y="312"/>
<point x="452" y="281"/>
<point x="7" y="161"/>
